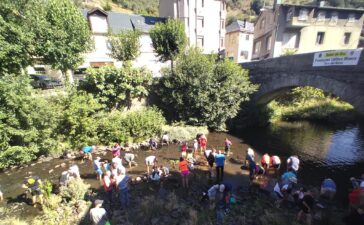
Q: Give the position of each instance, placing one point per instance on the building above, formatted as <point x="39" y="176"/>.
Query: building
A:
<point x="204" y="21"/>
<point x="239" y="41"/>
<point x="101" y="22"/>
<point x="288" y="29"/>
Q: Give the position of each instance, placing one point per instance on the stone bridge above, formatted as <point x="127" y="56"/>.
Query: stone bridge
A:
<point x="278" y="75"/>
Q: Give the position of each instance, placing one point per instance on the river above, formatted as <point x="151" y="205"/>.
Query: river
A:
<point x="325" y="150"/>
<point x="335" y="151"/>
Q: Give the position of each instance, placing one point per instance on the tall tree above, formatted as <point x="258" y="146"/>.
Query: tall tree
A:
<point x="204" y="91"/>
<point x="169" y="39"/>
<point x="62" y="33"/>
<point x="16" y="41"/>
<point x="53" y="31"/>
<point x="125" y="45"/>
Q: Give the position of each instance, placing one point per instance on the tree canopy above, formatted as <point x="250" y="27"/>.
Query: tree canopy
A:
<point x="115" y="87"/>
<point x="169" y="39"/>
<point x="204" y="91"/>
<point x="52" y="31"/>
<point x="125" y="45"/>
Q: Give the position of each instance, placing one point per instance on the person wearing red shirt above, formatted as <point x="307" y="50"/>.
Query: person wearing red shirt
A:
<point x="203" y="142"/>
<point x="265" y="161"/>
<point x="183" y="167"/>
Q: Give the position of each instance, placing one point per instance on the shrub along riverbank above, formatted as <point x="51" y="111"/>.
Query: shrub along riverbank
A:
<point x="308" y="103"/>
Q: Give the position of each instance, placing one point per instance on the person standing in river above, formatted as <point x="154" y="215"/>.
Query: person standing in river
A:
<point x="220" y="163"/>
<point x="33" y="184"/>
<point x="227" y="144"/>
<point x="293" y="163"/>
<point x="183" y="167"/>
<point x="203" y="142"/>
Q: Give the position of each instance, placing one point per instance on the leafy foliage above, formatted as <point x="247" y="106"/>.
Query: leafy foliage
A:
<point x="117" y="87"/>
<point x="54" y="31"/>
<point x="125" y="45"/>
<point x="204" y="91"/>
<point x="62" y="34"/>
<point x="79" y="121"/>
<point x="15" y="39"/>
<point x="75" y="190"/>
<point x="127" y="127"/>
<point x="169" y="39"/>
<point x="143" y="7"/>
<point x="25" y="122"/>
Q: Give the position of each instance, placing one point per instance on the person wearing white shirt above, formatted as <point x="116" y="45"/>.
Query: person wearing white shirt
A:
<point x="150" y="161"/>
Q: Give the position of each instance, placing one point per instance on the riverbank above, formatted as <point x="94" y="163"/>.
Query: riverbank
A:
<point x="165" y="204"/>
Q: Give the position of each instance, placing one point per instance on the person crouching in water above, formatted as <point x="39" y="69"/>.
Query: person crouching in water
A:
<point x="265" y="161"/>
<point x="33" y="184"/>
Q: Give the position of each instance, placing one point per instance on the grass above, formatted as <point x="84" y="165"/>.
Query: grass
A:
<point x="329" y="110"/>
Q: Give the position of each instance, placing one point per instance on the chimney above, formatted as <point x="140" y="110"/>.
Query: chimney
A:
<point x="244" y="23"/>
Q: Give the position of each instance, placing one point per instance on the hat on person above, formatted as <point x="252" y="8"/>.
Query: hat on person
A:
<point x="250" y="151"/>
<point x="98" y="202"/>
<point x="221" y="188"/>
<point x="295" y="167"/>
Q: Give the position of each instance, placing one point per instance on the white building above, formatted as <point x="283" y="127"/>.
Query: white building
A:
<point x="204" y="21"/>
<point x="239" y="41"/>
<point x="100" y="22"/>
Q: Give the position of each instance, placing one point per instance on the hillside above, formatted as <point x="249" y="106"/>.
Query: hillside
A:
<point x="237" y="9"/>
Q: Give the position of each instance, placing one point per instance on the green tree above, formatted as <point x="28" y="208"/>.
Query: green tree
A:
<point x="204" y="91"/>
<point x="125" y="45"/>
<point x="16" y="42"/>
<point x="169" y="39"/>
<point x="78" y="124"/>
<point x="115" y="87"/>
<point x="27" y="122"/>
<point x="62" y="34"/>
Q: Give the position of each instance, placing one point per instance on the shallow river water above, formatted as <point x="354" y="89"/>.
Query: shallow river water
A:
<point x="324" y="150"/>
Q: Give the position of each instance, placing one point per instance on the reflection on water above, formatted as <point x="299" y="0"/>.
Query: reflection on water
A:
<point x="325" y="150"/>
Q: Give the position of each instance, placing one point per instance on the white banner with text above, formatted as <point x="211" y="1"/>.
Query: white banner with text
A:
<point x="337" y="58"/>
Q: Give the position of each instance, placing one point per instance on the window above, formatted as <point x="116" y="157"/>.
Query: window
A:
<point x="262" y="23"/>
<point x="222" y="24"/>
<point x="320" y="38"/>
<point x="269" y="43"/>
<point x="39" y="70"/>
<point x="303" y="15"/>
<point x="231" y="58"/>
<point x="200" y="23"/>
<point x="223" y="5"/>
<point x="321" y="16"/>
<point x="334" y="18"/>
<point x="244" y="54"/>
<point x="247" y="37"/>
<point x="257" y="47"/>
<point x="346" y="38"/>
<point x="351" y="18"/>
<point x="202" y="3"/>
<point x="222" y="42"/>
<point x="289" y="15"/>
<point x="200" y="42"/>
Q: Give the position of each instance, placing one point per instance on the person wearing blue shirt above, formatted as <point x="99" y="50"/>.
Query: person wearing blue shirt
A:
<point x="220" y="162"/>
<point x="328" y="189"/>
<point x="86" y="152"/>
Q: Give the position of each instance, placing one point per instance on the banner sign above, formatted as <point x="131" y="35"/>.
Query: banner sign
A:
<point x="337" y="58"/>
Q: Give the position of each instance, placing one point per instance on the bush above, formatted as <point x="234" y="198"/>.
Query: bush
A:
<point x="184" y="133"/>
<point x="79" y="119"/>
<point x="127" y="127"/>
<point x="116" y="87"/>
<point x="27" y="122"/>
<point x="76" y="190"/>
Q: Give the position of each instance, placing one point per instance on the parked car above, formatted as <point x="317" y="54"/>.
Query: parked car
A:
<point x="44" y="81"/>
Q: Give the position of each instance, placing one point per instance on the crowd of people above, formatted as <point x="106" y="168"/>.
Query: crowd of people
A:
<point x="287" y="190"/>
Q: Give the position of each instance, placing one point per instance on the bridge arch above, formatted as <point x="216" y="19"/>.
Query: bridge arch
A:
<point x="278" y="75"/>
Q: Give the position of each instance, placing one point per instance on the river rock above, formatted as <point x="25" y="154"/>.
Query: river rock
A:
<point x="33" y="164"/>
<point x="155" y="221"/>
<point x="57" y="166"/>
<point x="50" y="171"/>
<point x="63" y="165"/>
